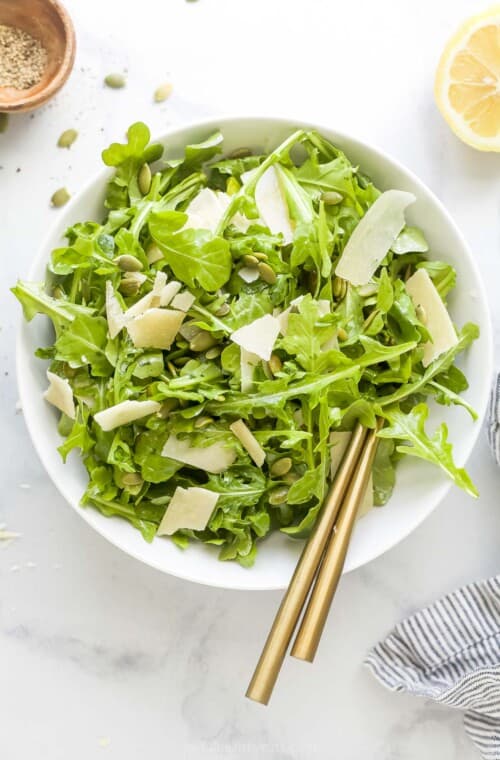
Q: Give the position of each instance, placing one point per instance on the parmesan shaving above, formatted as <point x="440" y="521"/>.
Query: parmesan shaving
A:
<point x="156" y="328"/>
<point x="60" y="395"/>
<point x="125" y="412"/>
<point x="259" y="336"/>
<point x="215" y="458"/>
<point x="249" y="442"/>
<point x="189" y="509"/>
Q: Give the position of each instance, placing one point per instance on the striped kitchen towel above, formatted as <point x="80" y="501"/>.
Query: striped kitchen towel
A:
<point x="494" y="420"/>
<point x="450" y="652"/>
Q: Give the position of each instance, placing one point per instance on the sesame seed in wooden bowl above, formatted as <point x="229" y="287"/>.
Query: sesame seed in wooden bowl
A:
<point x="37" y="52"/>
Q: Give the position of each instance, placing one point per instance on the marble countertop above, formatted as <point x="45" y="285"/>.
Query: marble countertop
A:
<point x="101" y="656"/>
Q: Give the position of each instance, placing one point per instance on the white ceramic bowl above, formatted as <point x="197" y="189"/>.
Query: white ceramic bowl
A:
<point x="420" y="487"/>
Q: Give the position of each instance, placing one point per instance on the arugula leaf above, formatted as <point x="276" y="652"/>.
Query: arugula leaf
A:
<point x="128" y="158"/>
<point x="436" y="449"/>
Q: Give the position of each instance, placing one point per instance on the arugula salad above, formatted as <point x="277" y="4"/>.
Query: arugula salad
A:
<point x="217" y="336"/>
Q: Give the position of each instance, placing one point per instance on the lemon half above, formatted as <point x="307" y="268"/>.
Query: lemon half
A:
<point x="467" y="86"/>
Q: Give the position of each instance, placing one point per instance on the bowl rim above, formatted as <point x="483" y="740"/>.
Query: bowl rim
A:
<point x="219" y="122"/>
<point x="30" y="102"/>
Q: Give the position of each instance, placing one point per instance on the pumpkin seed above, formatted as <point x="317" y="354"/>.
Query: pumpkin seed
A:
<point x="365" y="291"/>
<point x="339" y="288"/>
<point x="341" y="334"/>
<point x="163" y="92"/>
<point x="188" y="330"/>
<point x="232" y="186"/>
<point x="250" y="261"/>
<point x="240" y="153"/>
<point x="132" y="479"/>
<point x="370" y="318"/>
<point x="129" y="286"/>
<point x="267" y="273"/>
<point x="144" y="179"/>
<point x="115" y="81"/>
<point x="129" y="263"/>
<point x="281" y="466"/>
<point x="214" y="352"/>
<point x="202" y="422"/>
<point x="4" y="122"/>
<point x="58" y="292"/>
<point x="153" y="254"/>
<point x="421" y="314"/>
<point x="168" y="406"/>
<point x="67" y="138"/>
<point x="291" y="477"/>
<point x="278" y="496"/>
<point x="260" y="256"/>
<point x="181" y="361"/>
<point x="60" y="197"/>
<point x="331" y="198"/>
<point x="275" y="364"/>
<point x="267" y="370"/>
<point x="202" y="341"/>
<point x="172" y="369"/>
<point x="223" y="310"/>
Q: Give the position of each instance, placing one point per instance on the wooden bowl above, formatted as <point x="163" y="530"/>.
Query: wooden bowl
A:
<point x="49" y="22"/>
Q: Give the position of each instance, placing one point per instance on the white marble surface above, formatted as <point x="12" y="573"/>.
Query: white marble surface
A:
<point x="101" y="656"/>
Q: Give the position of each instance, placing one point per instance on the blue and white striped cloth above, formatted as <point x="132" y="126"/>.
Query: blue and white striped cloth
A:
<point x="450" y="652"/>
<point x="494" y="420"/>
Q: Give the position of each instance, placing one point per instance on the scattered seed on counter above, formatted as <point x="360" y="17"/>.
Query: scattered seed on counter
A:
<point x="116" y="81"/>
<point x="163" y="92"/>
<point x="67" y="138"/>
<point x="60" y="197"/>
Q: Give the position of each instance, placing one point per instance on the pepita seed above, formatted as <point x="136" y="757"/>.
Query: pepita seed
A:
<point x="60" y="197"/>
<point x="339" y="288"/>
<point x="129" y="263"/>
<point x="202" y="422"/>
<point x="240" y="153"/>
<point x="4" y="122"/>
<point x="281" y="466"/>
<point x="129" y="286"/>
<point x="260" y="256"/>
<point x="115" y="81"/>
<point x="58" y="292"/>
<point x="181" y="361"/>
<point x="172" y="369"/>
<point x="250" y="261"/>
<point x="168" y="406"/>
<point x="189" y="330"/>
<point x="214" y="352"/>
<point x="291" y="477"/>
<point x="132" y="479"/>
<point x="267" y="370"/>
<point x="163" y="92"/>
<point x="365" y="291"/>
<point x="370" y="318"/>
<point x="180" y="343"/>
<point x="202" y="342"/>
<point x="275" y="364"/>
<point x="232" y="186"/>
<point x="267" y="273"/>
<point x="223" y="310"/>
<point x="331" y="198"/>
<point x="67" y="138"/>
<point x="341" y="334"/>
<point x="278" y="496"/>
<point x="421" y="314"/>
<point x="153" y="254"/>
<point x="144" y="179"/>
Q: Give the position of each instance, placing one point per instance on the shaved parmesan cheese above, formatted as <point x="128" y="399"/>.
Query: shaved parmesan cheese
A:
<point x="272" y="204"/>
<point x="190" y="509"/>
<point x="114" y="313"/>
<point x="248" y="362"/>
<point x="249" y="274"/>
<point x="169" y="291"/>
<point x="259" y="336"/>
<point x="183" y="301"/>
<point x="215" y="458"/>
<point x="60" y="395"/>
<point x="156" y="328"/>
<point x="323" y="306"/>
<point x="150" y="299"/>
<point x="249" y="442"/>
<point x="423" y="293"/>
<point x="284" y="315"/>
<point x="340" y="441"/>
<point x="206" y="210"/>
<point x="125" y="412"/>
<point x="373" y="237"/>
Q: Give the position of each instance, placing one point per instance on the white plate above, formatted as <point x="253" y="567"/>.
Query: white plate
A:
<point x="420" y="487"/>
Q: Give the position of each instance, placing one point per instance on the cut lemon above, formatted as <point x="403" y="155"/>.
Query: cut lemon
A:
<point x="467" y="86"/>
